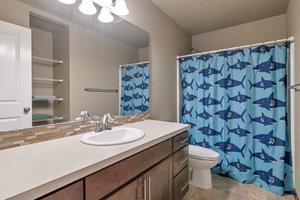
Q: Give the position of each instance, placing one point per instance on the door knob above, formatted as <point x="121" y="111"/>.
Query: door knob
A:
<point x="26" y="110"/>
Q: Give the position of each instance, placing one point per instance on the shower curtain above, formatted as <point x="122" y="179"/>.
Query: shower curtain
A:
<point x="134" y="88"/>
<point x="236" y="104"/>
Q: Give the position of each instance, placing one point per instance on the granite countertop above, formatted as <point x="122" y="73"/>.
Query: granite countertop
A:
<point x="30" y="171"/>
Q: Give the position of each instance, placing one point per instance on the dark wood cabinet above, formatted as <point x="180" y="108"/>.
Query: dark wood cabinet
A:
<point x="158" y="181"/>
<point x="71" y="192"/>
<point x="132" y="191"/>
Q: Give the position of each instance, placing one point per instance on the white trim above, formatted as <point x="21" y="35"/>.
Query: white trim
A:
<point x="291" y="39"/>
<point x="135" y="64"/>
<point x="291" y="111"/>
<point x="178" y="101"/>
<point x="120" y="87"/>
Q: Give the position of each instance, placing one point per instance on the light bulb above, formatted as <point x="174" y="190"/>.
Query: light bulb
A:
<point x="105" y="16"/>
<point x="107" y="2"/>
<point x="120" y="8"/>
<point x="87" y="7"/>
<point x="67" y="1"/>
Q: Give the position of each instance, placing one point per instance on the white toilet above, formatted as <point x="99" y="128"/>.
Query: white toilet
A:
<point x="201" y="160"/>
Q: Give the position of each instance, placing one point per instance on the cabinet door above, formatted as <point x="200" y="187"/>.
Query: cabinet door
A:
<point x="132" y="191"/>
<point x="72" y="192"/>
<point x="158" y="181"/>
<point x="15" y="77"/>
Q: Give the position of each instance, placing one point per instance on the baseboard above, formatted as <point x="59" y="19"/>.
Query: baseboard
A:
<point x="296" y="195"/>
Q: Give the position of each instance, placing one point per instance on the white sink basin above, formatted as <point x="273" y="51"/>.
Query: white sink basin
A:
<point x="113" y="137"/>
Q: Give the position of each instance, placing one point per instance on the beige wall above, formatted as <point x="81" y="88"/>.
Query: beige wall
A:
<point x="144" y="54"/>
<point x="293" y="29"/>
<point x="167" y="40"/>
<point x="258" y="31"/>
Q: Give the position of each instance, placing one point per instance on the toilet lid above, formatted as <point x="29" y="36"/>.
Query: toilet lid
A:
<point x="202" y="153"/>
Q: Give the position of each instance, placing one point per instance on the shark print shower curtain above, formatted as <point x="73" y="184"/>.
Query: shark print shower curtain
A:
<point x="134" y="88"/>
<point x="236" y="104"/>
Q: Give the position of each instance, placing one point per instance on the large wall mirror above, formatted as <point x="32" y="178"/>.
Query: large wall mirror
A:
<point x="79" y="63"/>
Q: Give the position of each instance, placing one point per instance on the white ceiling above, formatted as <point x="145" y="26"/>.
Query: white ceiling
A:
<point x="200" y="16"/>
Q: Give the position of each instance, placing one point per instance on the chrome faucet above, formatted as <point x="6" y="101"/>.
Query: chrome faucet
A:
<point x="106" y="121"/>
<point x="103" y="125"/>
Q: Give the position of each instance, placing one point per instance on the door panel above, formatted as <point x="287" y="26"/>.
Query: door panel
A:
<point x="15" y="76"/>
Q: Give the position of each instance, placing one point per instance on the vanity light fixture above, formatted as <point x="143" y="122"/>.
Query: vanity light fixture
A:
<point x="67" y="1"/>
<point x="105" y="16"/>
<point x="87" y="7"/>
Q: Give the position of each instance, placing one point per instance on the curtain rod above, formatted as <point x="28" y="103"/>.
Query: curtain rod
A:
<point x="291" y="39"/>
<point x="135" y="64"/>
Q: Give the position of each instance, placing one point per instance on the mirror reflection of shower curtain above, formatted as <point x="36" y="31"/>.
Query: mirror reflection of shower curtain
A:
<point x="236" y="104"/>
<point x="134" y="94"/>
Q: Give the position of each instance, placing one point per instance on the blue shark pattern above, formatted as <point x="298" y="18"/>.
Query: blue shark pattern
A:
<point x="204" y="115"/>
<point x="269" y="66"/>
<point x="244" y="92"/>
<point x="269" y="178"/>
<point x="204" y="144"/>
<point x="239" y="65"/>
<point x="204" y="86"/>
<point x="239" y="131"/>
<point x="210" y="71"/>
<point x="204" y="57"/>
<point x="127" y="78"/>
<point x="229" y="82"/>
<point x="208" y="101"/>
<point x="239" y="98"/>
<point x="137" y="96"/>
<point x="186" y="84"/>
<point x="210" y="132"/>
<point x="262" y="49"/>
<point x="270" y="102"/>
<point x="263" y="156"/>
<point x="269" y="139"/>
<point x="137" y="75"/>
<point x="228" y="114"/>
<point x="265" y="84"/>
<point x="187" y="112"/>
<point x="241" y="167"/>
<point x="287" y="158"/>
<point x="263" y="120"/>
<point x="230" y="147"/>
<point x="226" y="54"/>
<point x="128" y="87"/>
<point x="190" y="69"/>
<point x="134" y="89"/>
<point x="190" y="97"/>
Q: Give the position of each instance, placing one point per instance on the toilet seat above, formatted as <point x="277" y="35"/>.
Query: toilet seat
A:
<point x="202" y="153"/>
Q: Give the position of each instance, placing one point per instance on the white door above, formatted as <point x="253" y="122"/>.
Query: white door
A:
<point x="15" y="77"/>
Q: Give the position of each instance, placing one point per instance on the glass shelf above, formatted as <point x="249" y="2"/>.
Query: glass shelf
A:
<point x="47" y="99"/>
<point x="48" y="120"/>
<point x="48" y="80"/>
<point x="46" y="61"/>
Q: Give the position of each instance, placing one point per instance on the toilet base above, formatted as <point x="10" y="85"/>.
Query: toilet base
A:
<point x="201" y="178"/>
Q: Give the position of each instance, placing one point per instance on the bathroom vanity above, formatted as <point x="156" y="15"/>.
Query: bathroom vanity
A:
<point x="154" y="167"/>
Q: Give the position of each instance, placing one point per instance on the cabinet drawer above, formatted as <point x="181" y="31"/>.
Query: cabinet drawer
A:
<point x="180" y="160"/>
<point x="101" y="183"/>
<point x="72" y="192"/>
<point x="180" y="140"/>
<point x="181" y="184"/>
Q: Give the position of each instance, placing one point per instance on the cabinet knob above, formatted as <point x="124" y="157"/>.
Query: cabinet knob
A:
<point x="26" y="110"/>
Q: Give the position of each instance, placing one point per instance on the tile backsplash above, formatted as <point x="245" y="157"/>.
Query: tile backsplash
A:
<point x="15" y="138"/>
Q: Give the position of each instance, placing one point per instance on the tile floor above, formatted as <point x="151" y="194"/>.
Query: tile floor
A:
<point x="225" y="188"/>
